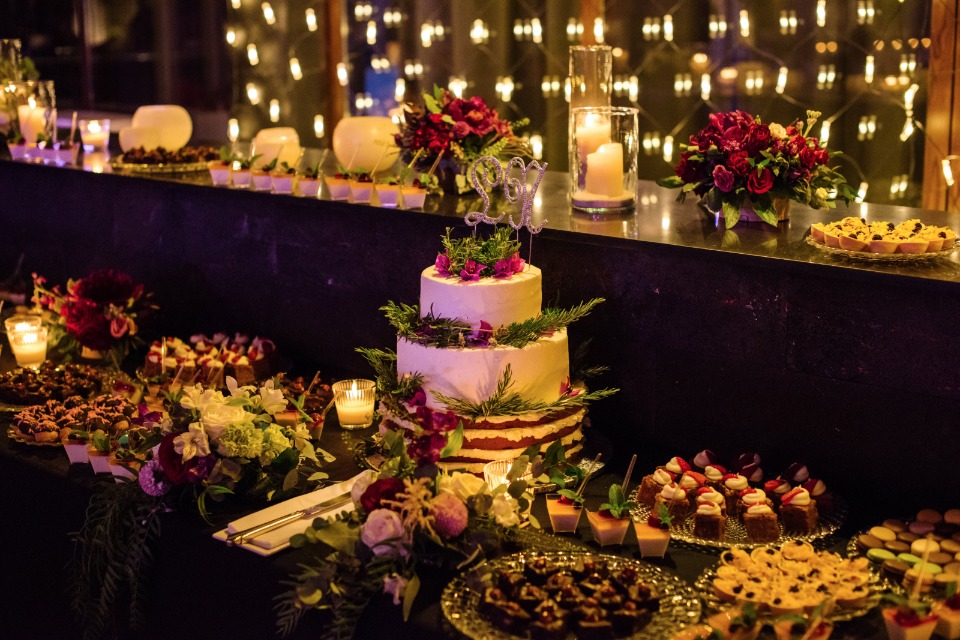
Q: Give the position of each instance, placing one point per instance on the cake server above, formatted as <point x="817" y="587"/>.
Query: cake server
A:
<point x="239" y="537"/>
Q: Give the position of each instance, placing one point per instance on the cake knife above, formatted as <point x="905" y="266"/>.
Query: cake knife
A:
<point x="239" y="537"/>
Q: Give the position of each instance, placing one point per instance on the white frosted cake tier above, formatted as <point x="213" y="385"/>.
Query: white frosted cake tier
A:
<point x="498" y="301"/>
<point x="537" y="369"/>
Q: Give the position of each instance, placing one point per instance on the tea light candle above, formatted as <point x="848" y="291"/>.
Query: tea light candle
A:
<point x="605" y="170"/>
<point x="495" y="473"/>
<point x="95" y="133"/>
<point x="32" y="120"/>
<point x="29" y="345"/>
<point x="354" y="400"/>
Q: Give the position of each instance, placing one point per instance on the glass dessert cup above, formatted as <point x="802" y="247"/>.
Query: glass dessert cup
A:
<point x="948" y="621"/>
<point x="360" y="191"/>
<point x="338" y="188"/>
<point x="564" y="517"/>
<point x="653" y="541"/>
<point x="388" y="194"/>
<point x="262" y="181"/>
<point x="219" y="172"/>
<point x="282" y="183"/>
<point x="241" y="178"/>
<point x="413" y="197"/>
<point x="308" y="187"/>
<point x="607" y="530"/>
<point x="912" y="629"/>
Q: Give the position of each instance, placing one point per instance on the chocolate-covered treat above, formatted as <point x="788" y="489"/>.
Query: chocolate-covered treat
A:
<point x="491" y="599"/>
<point x="558" y="581"/>
<point x="592" y="582"/>
<point x="510" y="617"/>
<point x="48" y="382"/>
<point x="608" y="597"/>
<point x="592" y="622"/>
<point x="538" y="570"/>
<point x="511" y="581"/>
<point x="629" y="619"/>
<point x="529" y="596"/>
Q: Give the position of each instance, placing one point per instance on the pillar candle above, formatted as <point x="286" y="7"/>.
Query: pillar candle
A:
<point x="605" y="170"/>
<point x="32" y="121"/>
<point x="591" y="134"/>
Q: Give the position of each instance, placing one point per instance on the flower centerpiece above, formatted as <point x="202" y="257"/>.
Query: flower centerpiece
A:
<point x="456" y="132"/>
<point x="205" y="445"/>
<point x="737" y="161"/>
<point x="97" y="313"/>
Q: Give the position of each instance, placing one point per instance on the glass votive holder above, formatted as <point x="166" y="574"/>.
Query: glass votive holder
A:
<point x="495" y="473"/>
<point x="603" y="173"/>
<point x="354" y="400"/>
<point x="95" y="134"/>
<point x="29" y="346"/>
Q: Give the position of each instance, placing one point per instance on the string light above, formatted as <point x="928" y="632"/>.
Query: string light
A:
<point x="825" y="133"/>
<point x="274" y="110"/>
<point x="705" y="87"/>
<point x="252" y="54"/>
<point x="392" y="18"/>
<point x="295" y="69"/>
<point x="862" y="191"/>
<point x="718" y="27"/>
<point x="504" y="88"/>
<point x="318" y="125"/>
<point x="400" y="90"/>
<point x="598" y="30"/>
<point x="457" y="85"/>
<point x="781" y="80"/>
<point x="233" y="129"/>
<point x="342" y="76"/>
<point x="744" y="23"/>
<point x="253" y="93"/>
<point x="948" y="170"/>
<point x="536" y="31"/>
<point x="868" y="69"/>
<point x="268" y="15"/>
<point x="821" y="13"/>
<point x="311" y="16"/>
<point x="235" y="4"/>
<point x="536" y="146"/>
<point x="231" y="37"/>
<point x="668" y="28"/>
<point x="668" y="148"/>
<point x="634" y="91"/>
<point x="371" y="33"/>
<point x="479" y="33"/>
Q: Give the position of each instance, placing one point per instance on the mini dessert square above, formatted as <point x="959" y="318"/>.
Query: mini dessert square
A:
<point x="653" y="484"/>
<point x="798" y="511"/>
<point x="761" y="523"/>
<point x="732" y="485"/>
<point x="709" y="522"/>
<point x="750" y="497"/>
<point x="675" y="500"/>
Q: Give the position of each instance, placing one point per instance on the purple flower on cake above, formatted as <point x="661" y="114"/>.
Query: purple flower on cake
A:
<point x="472" y="270"/>
<point x="426" y="448"/>
<point x="436" y="421"/>
<point x="152" y="479"/>
<point x="481" y="337"/>
<point x="566" y="389"/>
<point x="419" y="398"/>
<point x="442" y="265"/>
<point x="502" y="269"/>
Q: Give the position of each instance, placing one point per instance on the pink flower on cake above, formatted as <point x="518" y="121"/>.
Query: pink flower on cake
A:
<point x="442" y="265"/>
<point x="502" y="269"/>
<point x="567" y="390"/>
<point x="481" y="337"/>
<point x="472" y="270"/>
<point x="450" y="515"/>
<point x="425" y="449"/>
<point x="419" y="398"/>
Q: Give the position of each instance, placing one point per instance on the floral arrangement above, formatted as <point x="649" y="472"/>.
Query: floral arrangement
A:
<point x="472" y="257"/>
<point x="99" y="312"/>
<point x="204" y="445"/>
<point x="408" y="517"/>
<point x="737" y="157"/>
<point x="462" y="129"/>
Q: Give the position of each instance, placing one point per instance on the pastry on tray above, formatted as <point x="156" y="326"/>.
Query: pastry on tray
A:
<point x="908" y="237"/>
<point x="48" y="382"/>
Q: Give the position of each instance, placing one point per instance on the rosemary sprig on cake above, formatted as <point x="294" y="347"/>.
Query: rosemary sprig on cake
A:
<point x="497" y="255"/>
<point x="505" y="402"/>
<point x="444" y="332"/>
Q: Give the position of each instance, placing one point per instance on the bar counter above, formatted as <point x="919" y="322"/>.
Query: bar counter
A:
<point x="747" y="339"/>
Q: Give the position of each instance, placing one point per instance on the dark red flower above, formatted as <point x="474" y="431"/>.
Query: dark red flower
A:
<point x="380" y="490"/>
<point x="738" y="163"/>
<point x="760" y="182"/>
<point x="758" y="139"/>
<point x="106" y="286"/>
<point x="175" y="470"/>
<point x="723" y="179"/>
<point x="85" y="322"/>
<point x="426" y="448"/>
<point x="808" y="156"/>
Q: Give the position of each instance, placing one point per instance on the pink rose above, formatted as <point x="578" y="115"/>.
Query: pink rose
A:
<point x="119" y="327"/>
<point x="382" y="531"/>
<point x="723" y="178"/>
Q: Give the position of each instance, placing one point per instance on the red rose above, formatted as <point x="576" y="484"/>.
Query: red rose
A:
<point x="723" y="178"/>
<point x="760" y="181"/>
<point x="823" y="156"/>
<point x="738" y="163"/>
<point x="380" y="490"/>
<point x="85" y="322"/>
<point x="758" y="139"/>
<point x="172" y="462"/>
<point x="105" y="286"/>
<point x="808" y="156"/>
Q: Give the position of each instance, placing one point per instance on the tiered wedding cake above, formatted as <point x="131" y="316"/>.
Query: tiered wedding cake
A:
<point x="480" y="346"/>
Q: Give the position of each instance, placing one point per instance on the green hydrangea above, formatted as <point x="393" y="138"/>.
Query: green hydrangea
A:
<point x="274" y="443"/>
<point x="241" y="440"/>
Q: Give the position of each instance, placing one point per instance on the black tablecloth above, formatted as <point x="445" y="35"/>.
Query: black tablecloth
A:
<point x="200" y="587"/>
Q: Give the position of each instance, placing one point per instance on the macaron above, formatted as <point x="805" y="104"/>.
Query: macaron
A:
<point x="896" y="546"/>
<point x="895" y="525"/>
<point x="953" y="567"/>
<point x="920" y="527"/>
<point x="941" y="580"/>
<point x="895" y="568"/>
<point x="912" y="576"/>
<point x="883" y="533"/>
<point x="909" y="558"/>
<point x="879" y="555"/>
<point x="940" y="558"/>
<point x="950" y="546"/>
<point x="929" y="515"/>
<point x="956" y="536"/>
<point x="946" y="529"/>
<point x="865" y="541"/>
<point x="952" y="516"/>
<point x="921" y="546"/>
<point x="906" y="536"/>
<point x="928" y="567"/>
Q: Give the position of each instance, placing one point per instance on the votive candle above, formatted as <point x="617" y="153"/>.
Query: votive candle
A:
<point x="354" y="401"/>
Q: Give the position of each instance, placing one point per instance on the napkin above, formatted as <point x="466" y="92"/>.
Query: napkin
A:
<point x="272" y="541"/>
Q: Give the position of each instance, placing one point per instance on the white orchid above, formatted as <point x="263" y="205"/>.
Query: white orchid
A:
<point x="271" y="400"/>
<point x="196" y="397"/>
<point x="192" y="443"/>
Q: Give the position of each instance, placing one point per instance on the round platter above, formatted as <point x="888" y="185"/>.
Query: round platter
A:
<point x="736" y="534"/>
<point x="679" y="604"/>
<point x="880" y="257"/>
<point x="15" y="436"/>
<point x="168" y="167"/>
<point x="889" y="584"/>
<point x="713" y="604"/>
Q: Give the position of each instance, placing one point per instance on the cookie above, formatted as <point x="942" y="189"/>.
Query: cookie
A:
<point x="879" y="555"/>
<point x="921" y="528"/>
<point x="929" y="515"/>
<point x="950" y="546"/>
<point x="895" y="525"/>
<point x="896" y="546"/>
<point x="906" y="536"/>
<point x="921" y="546"/>
<point x="895" y="568"/>
<point x="865" y="542"/>
<point x="952" y="516"/>
<point x="884" y="534"/>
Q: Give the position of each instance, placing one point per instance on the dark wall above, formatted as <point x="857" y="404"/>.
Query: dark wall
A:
<point x="851" y="371"/>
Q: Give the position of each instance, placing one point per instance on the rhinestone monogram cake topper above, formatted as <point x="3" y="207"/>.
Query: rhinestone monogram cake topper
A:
<point x="488" y="173"/>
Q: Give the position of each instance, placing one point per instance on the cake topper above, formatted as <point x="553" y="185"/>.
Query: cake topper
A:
<point x="514" y="190"/>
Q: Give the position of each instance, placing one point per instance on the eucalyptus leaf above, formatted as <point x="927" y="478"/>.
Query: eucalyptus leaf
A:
<point x="339" y="536"/>
<point x="319" y="475"/>
<point x="516" y="489"/>
<point x="409" y="595"/>
<point x="298" y="540"/>
<point x="291" y="479"/>
<point x="287" y="460"/>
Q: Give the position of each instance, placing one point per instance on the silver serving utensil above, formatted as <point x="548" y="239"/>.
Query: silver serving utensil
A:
<point x="246" y="535"/>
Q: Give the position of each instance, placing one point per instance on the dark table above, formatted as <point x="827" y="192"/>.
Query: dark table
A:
<point x="203" y="589"/>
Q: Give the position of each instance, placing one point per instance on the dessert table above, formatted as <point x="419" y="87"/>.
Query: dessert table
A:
<point x="203" y="589"/>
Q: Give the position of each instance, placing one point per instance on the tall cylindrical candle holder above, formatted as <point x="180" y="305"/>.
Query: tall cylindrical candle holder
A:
<point x="28" y="340"/>
<point x="591" y="81"/>
<point x="36" y="109"/>
<point x="355" y="401"/>
<point x="603" y="170"/>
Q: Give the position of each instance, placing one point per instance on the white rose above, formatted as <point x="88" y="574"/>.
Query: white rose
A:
<point x="364" y="480"/>
<point x="382" y="531"/>
<point x="462" y="485"/>
<point x="395" y="585"/>
<point x="216" y="416"/>
<point x="777" y="130"/>
<point x="505" y="510"/>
